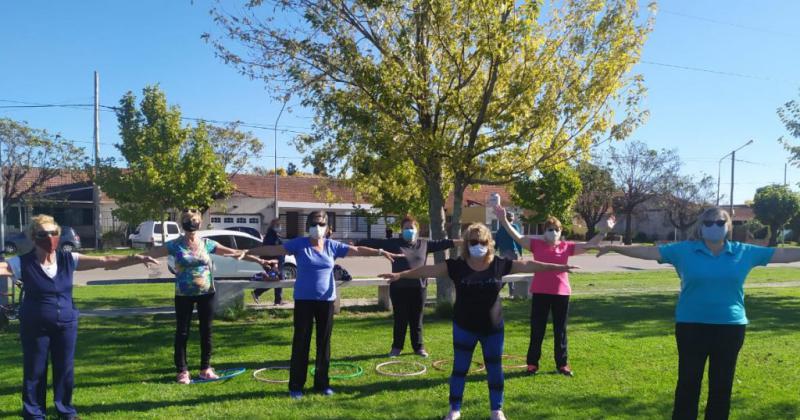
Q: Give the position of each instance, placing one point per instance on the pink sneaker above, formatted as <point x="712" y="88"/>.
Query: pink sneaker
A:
<point x="183" y="378"/>
<point x="207" y="374"/>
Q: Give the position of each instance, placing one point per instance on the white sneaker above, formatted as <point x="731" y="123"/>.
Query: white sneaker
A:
<point x="452" y="415"/>
<point x="497" y="415"/>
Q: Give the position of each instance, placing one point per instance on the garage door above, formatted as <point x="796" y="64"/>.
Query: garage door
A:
<point x="223" y="221"/>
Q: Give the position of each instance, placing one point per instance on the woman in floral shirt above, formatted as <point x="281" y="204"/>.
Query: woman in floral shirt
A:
<point x="194" y="285"/>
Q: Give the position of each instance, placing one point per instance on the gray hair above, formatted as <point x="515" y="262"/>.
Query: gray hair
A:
<point x="713" y="214"/>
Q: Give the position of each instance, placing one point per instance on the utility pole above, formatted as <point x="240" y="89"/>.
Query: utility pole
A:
<point x="275" y="150"/>
<point x="95" y="187"/>
<point x="733" y="162"/>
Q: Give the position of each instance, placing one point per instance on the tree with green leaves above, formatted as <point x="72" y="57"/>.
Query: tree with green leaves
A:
<point x="31" y="157"/>
<point x="169" y="166"/>
<point x="683" y="199"/>
<point x="234" y="147"/>
<point x="775" y="206"/>
<point x="551" y="193"/>
<point x="596" y="194"/>
<point x="640" y="174"/>
<point x="451" y="93"/>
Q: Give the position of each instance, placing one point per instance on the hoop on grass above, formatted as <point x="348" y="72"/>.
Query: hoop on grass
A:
<point x="357" y="370"/>
<point x="257" y="373"/>
<point x="511" y="358"/>
<point x="421" y="371"/>
<point x="224" y="375"/>
<point x="439" y="365"/>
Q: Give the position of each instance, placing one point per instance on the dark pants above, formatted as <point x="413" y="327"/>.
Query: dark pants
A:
<point x="407" y="305"/>
<point x="306" y="313"/>
<point x="184" y="305"/>
<point x="464" y="343"/>
<point x="278" y="294"/>
<point x="720" y="344"/>
<point x="541" y="306"/>
<point x="38" y="342"/>
<point x="513" y="256"/>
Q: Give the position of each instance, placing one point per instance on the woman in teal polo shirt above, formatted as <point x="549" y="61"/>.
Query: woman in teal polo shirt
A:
<point x="710" y="318"/>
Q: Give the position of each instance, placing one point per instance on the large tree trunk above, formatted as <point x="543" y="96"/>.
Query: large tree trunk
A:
<point x="445" y="293"/>
<point x="628" y="227"/>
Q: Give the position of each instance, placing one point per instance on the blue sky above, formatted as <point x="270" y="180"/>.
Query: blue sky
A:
<point x="50" y="49"/>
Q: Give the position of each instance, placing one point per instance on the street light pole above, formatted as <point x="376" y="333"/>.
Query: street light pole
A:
<point x="719" y="173"/>
<point x="275" y="150"/>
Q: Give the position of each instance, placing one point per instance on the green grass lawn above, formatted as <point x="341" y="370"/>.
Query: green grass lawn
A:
<point x="621" y="347"/>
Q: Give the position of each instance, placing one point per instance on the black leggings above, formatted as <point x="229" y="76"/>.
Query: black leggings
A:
<point x="407" y="305"/>
<point x="720" y="345"/>
<point x="541" y="306"/>
<point x="306" y="313"/>
<point x="184" y="305"/>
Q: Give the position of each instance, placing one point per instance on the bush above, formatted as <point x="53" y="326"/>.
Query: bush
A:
<point x="641" y="237"/>
<point x="114" y="238"/>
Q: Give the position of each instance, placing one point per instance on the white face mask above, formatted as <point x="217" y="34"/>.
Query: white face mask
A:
<point x="478" y="250"/>
<point x="317" y="232"/>
<point x="552" y="236"/>
<point x="277" y="229"/>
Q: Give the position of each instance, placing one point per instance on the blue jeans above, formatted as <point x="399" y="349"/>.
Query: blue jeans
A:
<point x="464" y="342"/>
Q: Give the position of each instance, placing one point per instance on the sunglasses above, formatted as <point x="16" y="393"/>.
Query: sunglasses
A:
<point x="473" y="242"/>
<point x="190" y="210"/>
<point x="315" y="224"/>
<point x="709" y="223"/>
<point x="553" y="230"/>
<point x="45" y="234"/>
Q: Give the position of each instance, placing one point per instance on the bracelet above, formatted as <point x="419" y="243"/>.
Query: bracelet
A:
<point x="380" y="252"/>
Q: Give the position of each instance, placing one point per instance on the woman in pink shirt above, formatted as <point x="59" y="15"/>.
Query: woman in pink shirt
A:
<point x="549" y="290"/>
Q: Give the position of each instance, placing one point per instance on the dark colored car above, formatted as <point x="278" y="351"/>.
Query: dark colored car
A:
<point x="246" y="229"/>
<point x="19" y="242"/>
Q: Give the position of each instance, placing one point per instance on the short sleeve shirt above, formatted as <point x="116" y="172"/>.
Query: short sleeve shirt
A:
<point x="712" y="287"/>
<point x="415" y="253"/>
<point x="193" y="275"/>
<point x="315" y="268"/>
<point x="551" y="282"/>
<point x="478" y="308"/>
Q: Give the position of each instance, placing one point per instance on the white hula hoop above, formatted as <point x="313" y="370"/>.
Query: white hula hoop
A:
<point x="398" y="362"/>
<point x="438" y="365"/>
<point x="271" y="381"/>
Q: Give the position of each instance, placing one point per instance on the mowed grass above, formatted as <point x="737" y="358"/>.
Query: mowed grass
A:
<point x="621" y="347"/>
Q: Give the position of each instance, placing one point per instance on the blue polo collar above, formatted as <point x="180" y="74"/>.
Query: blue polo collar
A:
<point x="700" y="246"/>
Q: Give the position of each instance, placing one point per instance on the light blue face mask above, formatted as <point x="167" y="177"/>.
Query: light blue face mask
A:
<point x="409" y="235"/>
<point x="714" y="233"/>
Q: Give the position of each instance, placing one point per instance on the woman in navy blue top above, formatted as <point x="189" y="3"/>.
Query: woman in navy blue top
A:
<point x="710" y="317"/>
<point x="48" y="317"/>
<point x="314" y="295"/>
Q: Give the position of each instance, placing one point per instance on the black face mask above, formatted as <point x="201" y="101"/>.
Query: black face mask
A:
<point x="190" y="226"/>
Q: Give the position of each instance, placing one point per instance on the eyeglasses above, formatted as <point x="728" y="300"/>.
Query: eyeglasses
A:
<point x="315" y="224"/>
<point x="473" y="242"/>
<point x="709" y="223"/>
<point x="45" y="234"/>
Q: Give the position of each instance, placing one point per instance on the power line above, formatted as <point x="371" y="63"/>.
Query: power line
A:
<point x="717" y="72"/>
<point x="719" y="22"/>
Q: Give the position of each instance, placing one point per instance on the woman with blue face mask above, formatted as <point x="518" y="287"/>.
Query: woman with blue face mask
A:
<point x="408" y="295"/>
<point x="710" y="319"/>
<point x="478" y="316"/>
<point x="314" y="296"/>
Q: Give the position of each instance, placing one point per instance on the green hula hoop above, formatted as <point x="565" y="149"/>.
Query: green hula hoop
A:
<point x="358" y="371"/>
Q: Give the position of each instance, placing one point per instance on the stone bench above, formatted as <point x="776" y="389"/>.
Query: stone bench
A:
<point x="230" y="293"/>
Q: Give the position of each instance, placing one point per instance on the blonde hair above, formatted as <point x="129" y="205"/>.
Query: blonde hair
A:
<point x="40" y="220"/>
<point x="552" y="221"/>
<point x="713" y="214"/>
<point x="482" y="233"/>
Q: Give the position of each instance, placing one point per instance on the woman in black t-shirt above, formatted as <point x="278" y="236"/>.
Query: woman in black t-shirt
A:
<point x="478" y="313"/>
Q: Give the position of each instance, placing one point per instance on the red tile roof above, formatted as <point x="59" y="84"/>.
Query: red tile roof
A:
<point x="291" y="188"/>
<point x="481" y="196"/>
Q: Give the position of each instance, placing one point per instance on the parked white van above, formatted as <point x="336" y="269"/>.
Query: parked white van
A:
<point x="148" y="233"/>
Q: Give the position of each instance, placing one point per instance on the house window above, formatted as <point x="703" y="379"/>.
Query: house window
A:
<point x="361" y="224"/>
<point x="228" y="220"/>
<point x="215" y="220"/>
<point x="241" y="220"/>
<point x="254" y="220"/>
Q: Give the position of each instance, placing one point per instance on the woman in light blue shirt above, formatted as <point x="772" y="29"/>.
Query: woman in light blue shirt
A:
<point x="710" y="318"/>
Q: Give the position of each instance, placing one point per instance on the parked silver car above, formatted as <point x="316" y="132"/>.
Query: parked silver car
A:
<point x="231" y="268"/>
<point x="19" y="242"/>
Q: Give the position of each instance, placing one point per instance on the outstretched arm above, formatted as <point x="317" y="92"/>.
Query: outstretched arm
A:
<point x="271" y="250"/>
<point x="112" y="262"/>
<point x="533" y="266"/>
<point x="364" y="251"/>
<point x="594" y="243"/>
<point x="424" y="271"/>
<point x="634" y="251"/>
<point x="785" y="255"/>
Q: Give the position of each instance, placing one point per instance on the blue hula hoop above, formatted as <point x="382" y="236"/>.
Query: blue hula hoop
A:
<point x="224" y="374"/>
